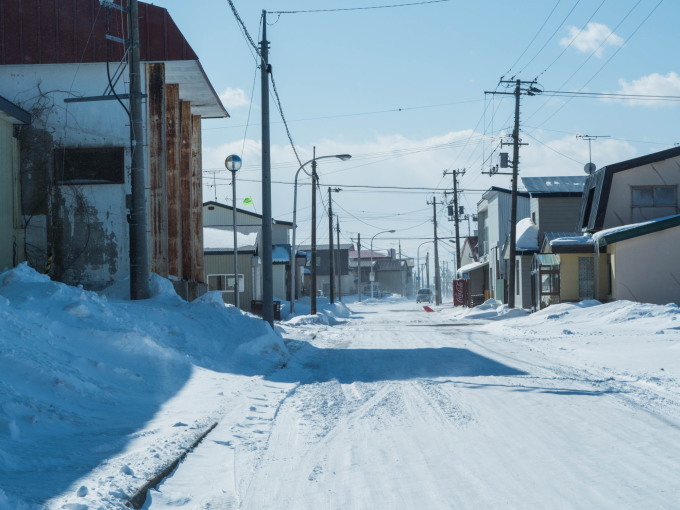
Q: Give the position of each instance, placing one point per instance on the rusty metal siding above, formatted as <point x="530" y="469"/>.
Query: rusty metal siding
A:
<point x="158" y="217"/>
<point x="196" y="212"/>
<point x="72" y="31"/>
<point x="185" y="188"/>
<point x="172" y="136"/>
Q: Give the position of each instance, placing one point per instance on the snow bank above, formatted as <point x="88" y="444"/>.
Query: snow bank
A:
<point x="81" y="371"/>
<point x="492" y="310"/>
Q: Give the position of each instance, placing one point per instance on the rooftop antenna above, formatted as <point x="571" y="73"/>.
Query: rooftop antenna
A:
<point x="590" y="167"/>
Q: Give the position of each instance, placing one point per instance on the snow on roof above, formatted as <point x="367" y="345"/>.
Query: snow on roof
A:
<point x="471" y="267"/>
<point x="570" y="240"/>
<point x="661" y="223"/>
<point x="222" y="239"/>
<point x="526" y="235"/>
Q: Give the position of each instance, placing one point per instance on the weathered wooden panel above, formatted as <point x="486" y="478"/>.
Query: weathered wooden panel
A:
<point x="196" y="201"/>
<point x="172" y="165"/>
<point x="158" y="217"/>
<point x="186" y="234"/>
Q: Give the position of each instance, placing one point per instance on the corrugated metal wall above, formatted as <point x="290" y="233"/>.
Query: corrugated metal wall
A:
<point x="224" y="264"/>
<point x="11" y="237"/>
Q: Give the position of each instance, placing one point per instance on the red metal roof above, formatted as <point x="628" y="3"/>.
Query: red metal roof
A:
<point x="72" y="31"/>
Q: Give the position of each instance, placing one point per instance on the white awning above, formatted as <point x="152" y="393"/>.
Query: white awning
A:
<point x="471" y="267"/>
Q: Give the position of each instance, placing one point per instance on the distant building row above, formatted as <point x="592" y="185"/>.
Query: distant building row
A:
<point x="614" y="234"/>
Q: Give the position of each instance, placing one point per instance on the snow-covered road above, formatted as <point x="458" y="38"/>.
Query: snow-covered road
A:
<point x="402" y="409"/>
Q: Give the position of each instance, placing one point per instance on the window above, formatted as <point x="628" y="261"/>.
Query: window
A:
<point x="654" y="196"/>
<point x="101" y="165"/>
<point x="225" y="282"/>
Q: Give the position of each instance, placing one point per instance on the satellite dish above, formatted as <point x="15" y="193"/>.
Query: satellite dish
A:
<point x="589" y="168"/>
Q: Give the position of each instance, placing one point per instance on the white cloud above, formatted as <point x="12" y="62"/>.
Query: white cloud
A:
<point x="234" y="98"/>
<point x="595" y="37"/>
<point x="654" y="84"/>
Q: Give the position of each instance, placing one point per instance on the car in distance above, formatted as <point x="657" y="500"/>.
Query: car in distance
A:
<point x="424" y="295"/>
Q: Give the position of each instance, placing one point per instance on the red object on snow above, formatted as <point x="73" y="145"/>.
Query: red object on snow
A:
<point x="428" y="309"/>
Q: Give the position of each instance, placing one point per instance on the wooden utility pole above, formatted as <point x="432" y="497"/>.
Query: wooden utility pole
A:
<point x="139" y="257"/>
<point x="456" y="214"/>
<point x="437" y="279"/>
<point x="267" y="268"/>
<point x="530" y="90"/>
<point x="339" y="265"/>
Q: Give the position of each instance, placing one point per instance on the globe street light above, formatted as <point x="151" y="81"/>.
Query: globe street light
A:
<point x="292" y="284"/>
<point x="233" y="164"/>
<point x="372" y="272"/>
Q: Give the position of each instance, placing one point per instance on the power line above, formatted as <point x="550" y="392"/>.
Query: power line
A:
<point x="550" y="38"/>
<point x="534" y="38"/>
<point x="572" y="40"/>
<point x="608" y="60"/>
<point x="358" y="114"/>
<point x="280" y="108"/>
<point x="244" y="30"/>
<point x="360" y="8"/>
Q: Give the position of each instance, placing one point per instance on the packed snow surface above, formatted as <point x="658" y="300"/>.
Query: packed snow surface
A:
<point x="375" y="405"/>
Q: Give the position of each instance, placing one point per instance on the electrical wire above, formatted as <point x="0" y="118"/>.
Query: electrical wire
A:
<point x="360" y="8"/>
<point x="359" y="114"/>
<point x="244" y="30"/>
<point x="605" y="63"/>
<point x="550" y="38"/>
<point x="585" y="25"/>
<point x="283" y="117"/>
<point x="534" y="38"/>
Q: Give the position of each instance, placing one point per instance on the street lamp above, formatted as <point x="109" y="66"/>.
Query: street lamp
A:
<point x="292" y="284"/>
<point x="233" y="164"/>
<point x="420" y="276"/>
<point x="372" y="272"/>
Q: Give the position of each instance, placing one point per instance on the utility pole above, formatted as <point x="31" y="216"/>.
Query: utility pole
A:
<point x="331" y="252"/>
<point x="339" y="265"/>
<point x="139" y="256"/>
<point x="312" y="291"/>
<point x="437" y="279"/>
<point x="267" y="269"/>
<point x="427" y="268"/>
<point x="456" y="211"/>
<point x="530" y="90"/>
<point x="359" y="265"/>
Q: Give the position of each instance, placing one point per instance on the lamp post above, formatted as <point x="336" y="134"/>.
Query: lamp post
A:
<point x="371" y="268"/>
<point x="233" y="164"/>
<point x="420" y="275"/>
<point x="292" y="284"/>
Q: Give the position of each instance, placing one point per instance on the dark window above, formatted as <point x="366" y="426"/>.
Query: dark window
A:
<point x="105" y="165"/>
<point x="654" y="196"/>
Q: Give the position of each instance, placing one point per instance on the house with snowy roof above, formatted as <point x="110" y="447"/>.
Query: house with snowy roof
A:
<point x="61" y="63"/>
<point x="218" y="239"/>
<point x="554" y="203"/>
<point x="626" y="239"/>
<point x="489" y="273"/>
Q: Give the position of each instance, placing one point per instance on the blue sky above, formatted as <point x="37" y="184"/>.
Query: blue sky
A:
<point x="402" y="90"/>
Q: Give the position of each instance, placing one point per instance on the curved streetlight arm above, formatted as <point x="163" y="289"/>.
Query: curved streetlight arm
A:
<point x="371" y="268"/>
<point x="418" y="259"/>
<point x="293" y="268"/>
